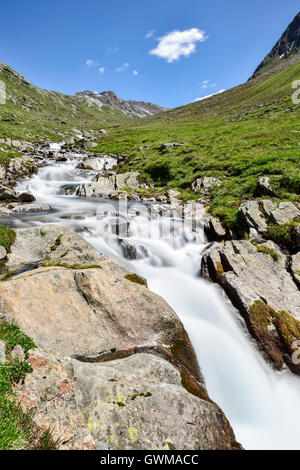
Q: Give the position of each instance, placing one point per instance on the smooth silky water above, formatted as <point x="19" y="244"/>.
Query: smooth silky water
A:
<point x="262" y="405"/>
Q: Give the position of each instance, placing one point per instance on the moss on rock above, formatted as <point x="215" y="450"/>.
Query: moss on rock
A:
<point x="276" y="332"/>
<point x="136" y="278"/>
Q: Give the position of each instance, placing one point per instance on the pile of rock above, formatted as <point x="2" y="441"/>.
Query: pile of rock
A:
<point x="111" y="354"/>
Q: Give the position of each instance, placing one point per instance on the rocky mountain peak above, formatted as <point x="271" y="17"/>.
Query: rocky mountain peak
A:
<point x="287" y="46"/>
<point x="132" y="108"/>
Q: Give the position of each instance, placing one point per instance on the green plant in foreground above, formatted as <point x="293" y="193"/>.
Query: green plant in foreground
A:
<point x="17" y="428"/>
<point x="7" y="237"/>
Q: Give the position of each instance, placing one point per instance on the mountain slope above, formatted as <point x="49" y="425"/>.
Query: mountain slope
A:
<point x="239" y="135"/>
<point x="132" y="108"/>
<point x="31" y="113"/>
<point x="287" y="46"/>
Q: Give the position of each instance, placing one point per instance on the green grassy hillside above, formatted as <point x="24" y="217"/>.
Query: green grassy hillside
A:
<point x="246" y="132"/>
<point x="33" y="114"/>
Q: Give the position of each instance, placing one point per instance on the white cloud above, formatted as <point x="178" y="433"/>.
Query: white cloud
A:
<point x="178" y="43"/>
<point x="209" y="96"/>
<point x="207" y="84"/>
<point x="91" y="63"/>
<point x="122" y="67"/>
<point x="135" y="72"/>
<point x="150" y="34"/>
<point x="112" y="49"/>
<point x="101" y="70"/>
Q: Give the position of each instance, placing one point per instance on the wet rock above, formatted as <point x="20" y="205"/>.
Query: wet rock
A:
<point x="26" y="197"/>
<point x="127" y="406"/>
<point x="67" y="189"/>
<point x="194" y="210"/>
<point x="34" y="207"/>
<point x="98" y="164"/>
<point x="104" y="185"/>
<point x="167" y="210"/>
<point x="7" y="194"/>
<point x="204" y="185"/>
<point x="252" y="273"/>
<point x="49" y="393"/>
<point x="118" y="226"/>
<point x="5" y="211"/>
<point x="132" y="250"/>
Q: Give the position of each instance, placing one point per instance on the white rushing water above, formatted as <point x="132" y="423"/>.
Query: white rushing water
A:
<point x="262" y="405"/>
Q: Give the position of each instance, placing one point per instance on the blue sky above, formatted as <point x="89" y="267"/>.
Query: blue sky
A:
<point x="70" y="46"/>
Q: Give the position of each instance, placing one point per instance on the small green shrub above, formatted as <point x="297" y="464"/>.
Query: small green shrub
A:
<point x="7" y="237"/>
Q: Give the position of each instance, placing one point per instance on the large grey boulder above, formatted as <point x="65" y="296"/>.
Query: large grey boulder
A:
<point x="139" y="403"/>
<point x="125" y="342"/>
<point x="7" y="194"/>
<point x="90" y="303"/>
<point x="253" y="216"/>
<point x="284" y="213"/>
<point x="214" y="230"/>
<point x="48" y="394"/>
<point x="33" y="207"/>
<point x="104" y="185"/>
<point x="98" y="164"/>
<point x="265" y="187"/>
<point x="258" y="283"/>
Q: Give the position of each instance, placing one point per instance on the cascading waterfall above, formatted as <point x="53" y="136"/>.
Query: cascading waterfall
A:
<point x="262" y="405"/>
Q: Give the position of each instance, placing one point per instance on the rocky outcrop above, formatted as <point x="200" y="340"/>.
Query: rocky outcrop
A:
<point x="264" y="187"/>
<point x="98" y="164"/>
<point x="281" y="213"/>
<point x="17" y="168"/>
<point x="260" y="216"/>
<point x="256" y="279"/>
<point x="130" y="355"/>
<point x="205" y="185"/>
<point x="105" y="185"/>
<point x="132" y="108"/>
<point x="288" y="45"/>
